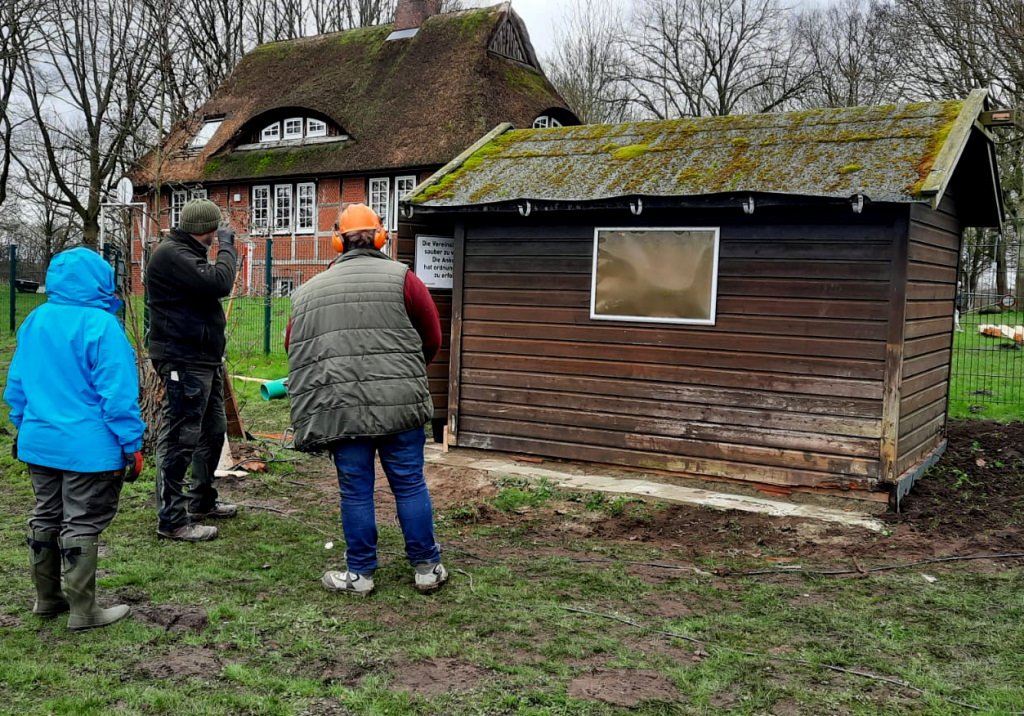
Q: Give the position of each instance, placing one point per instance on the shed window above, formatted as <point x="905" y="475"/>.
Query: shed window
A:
<point x="660" y="275"/>
<point x="305" y="219"/>
<point x="260" y="208"/>
<point x="282" y="208"/>
<point x="380" y="198"/>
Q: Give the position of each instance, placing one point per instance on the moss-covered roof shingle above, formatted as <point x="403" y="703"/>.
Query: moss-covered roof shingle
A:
<point x="897" y="153"/>
<point x="414" y="102"/>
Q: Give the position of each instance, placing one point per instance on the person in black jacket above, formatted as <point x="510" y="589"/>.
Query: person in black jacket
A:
<point x="186" y="345"/>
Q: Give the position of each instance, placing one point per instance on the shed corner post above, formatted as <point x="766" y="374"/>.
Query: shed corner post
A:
<point x="894" y="349"/>
<point x="455" y="350"/>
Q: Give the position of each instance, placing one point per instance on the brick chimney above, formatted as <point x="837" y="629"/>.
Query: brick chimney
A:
<point x="412" y="13"/>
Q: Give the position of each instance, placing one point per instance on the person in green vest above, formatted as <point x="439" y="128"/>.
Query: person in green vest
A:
<point x="359" y="341"/>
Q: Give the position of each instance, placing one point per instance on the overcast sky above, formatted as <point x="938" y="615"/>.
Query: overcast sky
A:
<point x="541" y="18"/>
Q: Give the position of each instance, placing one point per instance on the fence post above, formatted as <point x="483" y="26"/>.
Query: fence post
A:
<point x="268" y="264"/>
<point x="14" y="277"/>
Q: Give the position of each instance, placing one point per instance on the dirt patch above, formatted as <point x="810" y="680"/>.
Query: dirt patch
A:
<point x="624" y="687"/>
<point x="437" y="676"/>
<point x="345" y="673"/>
<point x="172" y="617"/>
<point x="9" y="622"/>
<point x="184" y="663"/>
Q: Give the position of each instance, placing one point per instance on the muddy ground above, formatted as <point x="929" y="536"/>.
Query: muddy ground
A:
<point x="971" y="502"/>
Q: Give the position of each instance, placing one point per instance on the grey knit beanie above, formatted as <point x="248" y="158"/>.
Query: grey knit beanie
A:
<point x="199" y="216"/>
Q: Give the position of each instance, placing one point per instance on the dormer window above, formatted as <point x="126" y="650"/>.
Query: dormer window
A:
<point x="205" y="133"/>
<point x="545" y="121"/>
<point x="316" y="128"/>
<point x="293" y="128"/>
<point x="271" y="133"/>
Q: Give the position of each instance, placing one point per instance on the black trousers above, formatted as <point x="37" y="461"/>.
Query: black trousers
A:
<point x="192" y="433"/>
<point x="75" y="504"/>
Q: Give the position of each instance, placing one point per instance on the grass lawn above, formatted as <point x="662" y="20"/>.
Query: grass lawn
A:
<point x="559" y="604"/>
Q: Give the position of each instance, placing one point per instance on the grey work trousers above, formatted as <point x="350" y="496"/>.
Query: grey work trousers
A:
<point x="76" y="504"/>
<point x="191" y="433"/>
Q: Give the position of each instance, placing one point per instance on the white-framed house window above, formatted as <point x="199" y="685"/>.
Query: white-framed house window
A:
<point x="403" y="187"/>
<point x="545" y="121"/>
<point x="305" y="210"/>
<point x="316" y="128"/>
<point x="205" y="133"/>
<point x="271" y="133"/>
<point x="379" y="195"/>
<point x="283" y="286"/>
<point x="260" y="208"/>
<point x="178" y="199"/>
<point x="293" y="128"/>
<point x="282" y="208"/>
<point x="655" y="274"/>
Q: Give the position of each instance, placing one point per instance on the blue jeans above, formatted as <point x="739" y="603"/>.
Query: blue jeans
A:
<point x="401" y="456"/>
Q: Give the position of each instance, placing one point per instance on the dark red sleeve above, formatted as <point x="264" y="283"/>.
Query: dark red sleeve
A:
<point x="423" y="313"/>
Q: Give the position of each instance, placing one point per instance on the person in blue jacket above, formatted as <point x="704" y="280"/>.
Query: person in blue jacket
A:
<point x="73" y="388"/>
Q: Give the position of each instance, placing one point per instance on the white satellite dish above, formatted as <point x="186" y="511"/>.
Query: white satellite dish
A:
<point x="125" y="191"/>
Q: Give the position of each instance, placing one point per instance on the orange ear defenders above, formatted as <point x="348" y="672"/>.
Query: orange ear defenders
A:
<point x="358" y="217"/>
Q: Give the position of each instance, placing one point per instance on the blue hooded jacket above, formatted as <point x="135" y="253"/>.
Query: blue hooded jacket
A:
<point x="73" y="384"/>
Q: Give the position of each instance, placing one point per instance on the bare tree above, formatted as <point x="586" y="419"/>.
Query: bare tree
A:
<point x="852" y="53"/>
<point x="88" y="90"/>
<point x="712" y="57"/>
<point x="586" y="67"/>
<point x="17" y="18"/>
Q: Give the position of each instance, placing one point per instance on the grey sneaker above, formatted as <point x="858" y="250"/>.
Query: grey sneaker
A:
<point x="359" y="584"/>
<point x="221" y="510"/>
<point x="189" y="533"/>
<point x="430" y="576"/>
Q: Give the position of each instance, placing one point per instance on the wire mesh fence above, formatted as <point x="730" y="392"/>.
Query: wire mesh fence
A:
<point x="987" y="377"/>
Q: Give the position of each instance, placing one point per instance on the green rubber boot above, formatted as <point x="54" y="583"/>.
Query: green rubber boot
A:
<point x="80" y="585"/>
<point x="44" y="559"/>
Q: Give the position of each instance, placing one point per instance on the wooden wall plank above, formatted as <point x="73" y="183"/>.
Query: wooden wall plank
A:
<point x="623" y="455"/>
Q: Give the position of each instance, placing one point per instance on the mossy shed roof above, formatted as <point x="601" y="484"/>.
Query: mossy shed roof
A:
<point x="896" y="153"/>
<point x="414" y="102"/>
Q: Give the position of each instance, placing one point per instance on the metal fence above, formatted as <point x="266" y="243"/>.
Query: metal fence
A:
<point x="988" y="346"/>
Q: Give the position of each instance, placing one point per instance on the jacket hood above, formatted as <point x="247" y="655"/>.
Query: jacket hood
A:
<point x="79" y="277"/>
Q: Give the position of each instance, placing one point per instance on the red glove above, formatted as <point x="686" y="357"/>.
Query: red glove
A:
<point x="133" y="466"/>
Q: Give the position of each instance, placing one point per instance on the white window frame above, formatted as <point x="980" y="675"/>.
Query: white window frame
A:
<point x="296" y="133"/>
<point x="198" y="194"/>
<point x="261" y="203"/>
<point x="205" y="133"/>
<point x="280" y="282"/>
<point x="305" y="195"/>
<point x="378" y="198"/>
<point x="283" y="191"/>
<point x="546" y="121"/>
<point x="271" y="133"/>
<point x="178" y="199"/>
<point x="404" y="184"/>
<point x="315" y="127"/>
<point x="710" y="321"/>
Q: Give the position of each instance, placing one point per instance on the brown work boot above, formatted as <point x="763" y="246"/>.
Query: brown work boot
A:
<point x="189" y="533"/>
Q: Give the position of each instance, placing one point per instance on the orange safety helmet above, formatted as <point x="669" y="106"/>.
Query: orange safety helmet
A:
<point x="358" y="217"/>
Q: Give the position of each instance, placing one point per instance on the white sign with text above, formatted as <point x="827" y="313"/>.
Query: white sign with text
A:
<point x="435" y="260"/>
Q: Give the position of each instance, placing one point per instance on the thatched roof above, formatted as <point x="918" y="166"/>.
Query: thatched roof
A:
<point x="904" y="153"/>
<point x="407" y="103"/>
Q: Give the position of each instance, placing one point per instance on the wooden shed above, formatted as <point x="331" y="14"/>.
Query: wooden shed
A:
<point x="765" y="300"/>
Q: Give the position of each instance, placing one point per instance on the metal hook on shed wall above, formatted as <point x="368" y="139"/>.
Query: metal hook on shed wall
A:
<point x="858" y="203"/>
<point x="525" y="208"/>
<point x="636" y="207"/>
<point x="407" y="211"/>
<point x="748" y="205"/>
